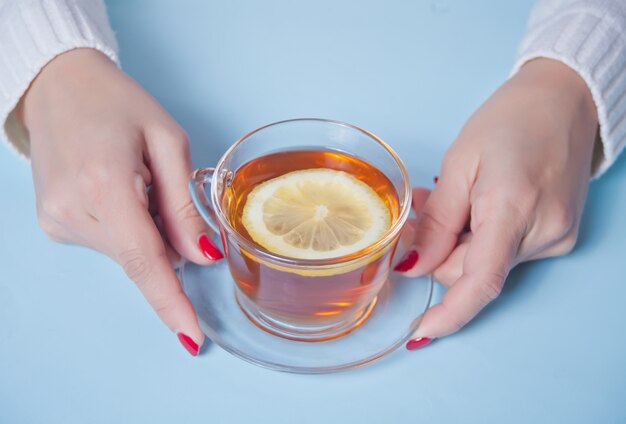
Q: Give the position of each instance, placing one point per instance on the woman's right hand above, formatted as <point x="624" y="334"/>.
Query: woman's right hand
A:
<point x="98" y="141"/>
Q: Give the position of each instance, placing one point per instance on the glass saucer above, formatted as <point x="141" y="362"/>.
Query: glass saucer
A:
<point x="395" y="317"/>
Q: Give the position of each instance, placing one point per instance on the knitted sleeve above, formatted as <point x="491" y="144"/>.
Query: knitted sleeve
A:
<point x="32" y="33"/>
<point x="590" y="37"/>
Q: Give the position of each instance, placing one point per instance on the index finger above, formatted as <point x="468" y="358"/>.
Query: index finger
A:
<point x="135" y="243"/>
<point x="490" y="256"/>
<point x="439" y="223"/>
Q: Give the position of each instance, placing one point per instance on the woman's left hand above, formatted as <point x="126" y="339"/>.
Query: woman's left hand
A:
<point x="517" y="179"/>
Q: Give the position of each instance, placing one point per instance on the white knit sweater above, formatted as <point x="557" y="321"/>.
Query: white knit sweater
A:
<point x="33" y="32"/>
<point x="590" y="37"/>
<point x="587" y="35"/>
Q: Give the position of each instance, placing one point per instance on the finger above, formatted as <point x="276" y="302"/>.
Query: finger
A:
<point x="173" y="256"/>
<point x="452" y="268"/>
<point x="488" y="260"/>
<point x="135" y="244"/>
<point x="406" y="236"/>
<point x="418" y="199"/>
<point x="439" y="224"/>
<point x="170" y="165"/>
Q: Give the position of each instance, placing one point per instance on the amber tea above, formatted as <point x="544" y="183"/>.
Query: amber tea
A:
<point x="310" y="205"/>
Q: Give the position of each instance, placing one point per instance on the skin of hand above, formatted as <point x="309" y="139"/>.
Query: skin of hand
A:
<point x="512" y="189"/>
<point x="98" y="140"/>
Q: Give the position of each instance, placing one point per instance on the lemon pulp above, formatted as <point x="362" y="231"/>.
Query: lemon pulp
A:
<point x="315" y="214"/>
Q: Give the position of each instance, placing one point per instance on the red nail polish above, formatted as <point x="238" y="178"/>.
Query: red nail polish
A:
<point x="188" y="343"/>
<point x="209" y="249"/>
<point x="408" y="262"/>
<point x="436" y="179"/>
<point x="418" y="343"/>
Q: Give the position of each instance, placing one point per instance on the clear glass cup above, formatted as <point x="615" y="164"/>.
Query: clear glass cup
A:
<point x="301" y="299"/>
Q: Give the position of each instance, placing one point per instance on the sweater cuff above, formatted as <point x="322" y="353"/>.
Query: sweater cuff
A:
<point x="592" y="43"/>
<point x="34" y="33"/>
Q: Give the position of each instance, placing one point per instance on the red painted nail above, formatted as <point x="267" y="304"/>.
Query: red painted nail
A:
<point x="188" y="343"/>
<point x="408" y="262"/>
<point x="418" y="343"/>
<point x="209" y="249"/>
<point x="436" y="179"/>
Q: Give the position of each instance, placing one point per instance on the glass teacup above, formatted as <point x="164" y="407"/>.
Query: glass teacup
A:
<point x="291" y="297"/>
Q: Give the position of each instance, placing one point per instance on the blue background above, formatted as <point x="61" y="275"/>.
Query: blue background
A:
<point x="79" y="344"/>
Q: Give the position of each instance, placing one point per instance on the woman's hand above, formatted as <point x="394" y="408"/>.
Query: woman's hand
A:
<point x="98" y="141"/>
<point x="517" y="178"/>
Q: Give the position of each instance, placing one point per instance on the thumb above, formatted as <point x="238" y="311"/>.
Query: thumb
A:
<point x="170" y="165"/>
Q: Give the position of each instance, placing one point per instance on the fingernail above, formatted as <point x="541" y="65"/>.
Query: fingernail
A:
<point x="188" y="343"/>
<point x="418" y="343"/>
<point x="408" y="262"/>
<point x="209" y="249"/>
<point x="435" y="179"/>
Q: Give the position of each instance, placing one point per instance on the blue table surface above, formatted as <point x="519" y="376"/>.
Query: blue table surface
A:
<point x="79" y="344"/>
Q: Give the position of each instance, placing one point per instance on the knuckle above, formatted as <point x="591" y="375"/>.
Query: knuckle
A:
<point x="51" y="229"/>
<point x="165" y="305"/>
<point x="559" y="226"/>
<point x="430" y="222"/>
<point x="162" y="305"/>
<point x="490" y="288"/>
<point x="177" y="137"/>
<point x="457" y="324"/>
<point x="455" y="321"/>
<point x="53" y="210"/>
<point x="516" y="196"/>
<point x="168" y="138"/>
<point x="516" y="205"/>
<point x="182" y="141"/>
<point x="187" y="211"/>
<point x="570" y="240"/>
<point x="567" y="244"/>
<point x="136" y="265"/>
<point x="94" y="183"/>
<point x="563" y="220"/>
<point x="451" y="160"/>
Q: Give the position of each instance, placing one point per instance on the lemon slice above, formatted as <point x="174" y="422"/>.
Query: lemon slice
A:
<point x="315" y="214"/>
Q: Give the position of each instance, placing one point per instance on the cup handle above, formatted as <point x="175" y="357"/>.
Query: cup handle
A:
<point x="199" y="179"/>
